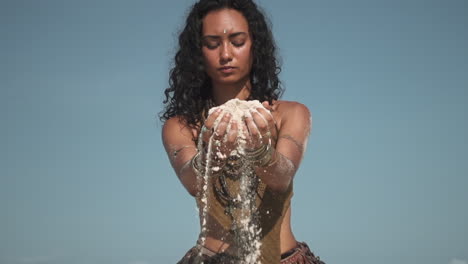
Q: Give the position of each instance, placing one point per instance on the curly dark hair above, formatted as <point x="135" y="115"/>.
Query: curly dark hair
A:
<point x="189" y="93"/>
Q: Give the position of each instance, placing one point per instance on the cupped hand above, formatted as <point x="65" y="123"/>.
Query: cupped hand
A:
<point x="260" y="128"/>
<point x="219" y="133"/>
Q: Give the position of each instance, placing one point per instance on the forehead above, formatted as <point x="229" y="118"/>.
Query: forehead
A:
<point x="231" y="20"/>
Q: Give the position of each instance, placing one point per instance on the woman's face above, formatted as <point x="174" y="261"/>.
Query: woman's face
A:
<point x="226" y="46"/>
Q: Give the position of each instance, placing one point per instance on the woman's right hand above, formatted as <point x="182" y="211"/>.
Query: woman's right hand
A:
<point x="222" y="132"/>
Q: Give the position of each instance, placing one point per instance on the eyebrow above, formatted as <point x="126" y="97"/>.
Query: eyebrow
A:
<point x="233" y="35"/>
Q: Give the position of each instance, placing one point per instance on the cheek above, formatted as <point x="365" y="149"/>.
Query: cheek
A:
<point x="247" y="57"/>
<point x="242" y="54"/>
<point x="209" y="61"/>
<point x="208" y="58"/>
<point x="248" y="53"/>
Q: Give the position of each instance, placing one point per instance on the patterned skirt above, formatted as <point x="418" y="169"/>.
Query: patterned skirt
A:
<point x="301" y="254"/>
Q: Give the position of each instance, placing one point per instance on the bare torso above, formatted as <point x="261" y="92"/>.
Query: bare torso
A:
<point x="287" y="239"/>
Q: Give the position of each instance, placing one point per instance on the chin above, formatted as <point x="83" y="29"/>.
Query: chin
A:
<point x="230" y="80"/>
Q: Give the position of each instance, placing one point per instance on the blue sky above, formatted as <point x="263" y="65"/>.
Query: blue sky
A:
<point x="85" y="180"/>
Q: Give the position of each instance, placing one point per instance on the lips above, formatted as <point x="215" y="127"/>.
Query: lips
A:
<point x="227" y="69"/>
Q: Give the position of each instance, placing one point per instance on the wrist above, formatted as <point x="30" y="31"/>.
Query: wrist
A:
<point x="262" y="156"/>
<point x="200" y="163"/>
<point x="197" y="164"/>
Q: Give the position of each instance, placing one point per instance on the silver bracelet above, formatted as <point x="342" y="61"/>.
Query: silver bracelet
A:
<point x="261" y="156"/>
<point x="197" y="164"/>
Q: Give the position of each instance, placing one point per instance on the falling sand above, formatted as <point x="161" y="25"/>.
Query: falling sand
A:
<point x="244" y="216"/>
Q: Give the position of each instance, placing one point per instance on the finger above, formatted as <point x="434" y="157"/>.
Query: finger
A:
<point x="210" y="121"/>
<point x="232" y="133"/>
<point x="219" y="148"/>
<point x="260" y="121"/>
<point x="267" y="105"/>
<point x="254" y="134"/>
<point x="271" y="122"/>
<point x="273" y="106"/>
<point x="262" y="126"/>
<point x="208" y="127"/>
<point x="205" y="134"/>
<point x="220" y="129"/>
<point x="266" y="114"/>
<point x="243" y="131"/>
<point x="243" y="134"/>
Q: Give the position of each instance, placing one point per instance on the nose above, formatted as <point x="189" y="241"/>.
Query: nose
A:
<point x="225" y="53"/>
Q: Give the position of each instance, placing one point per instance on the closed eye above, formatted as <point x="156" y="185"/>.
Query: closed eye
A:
<point x="211" y="44"/>
<point x="238" y="43"/>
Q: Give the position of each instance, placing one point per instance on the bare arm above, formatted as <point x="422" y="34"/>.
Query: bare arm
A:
<point x="289" y="149"/>
<point x="180" y="148"/>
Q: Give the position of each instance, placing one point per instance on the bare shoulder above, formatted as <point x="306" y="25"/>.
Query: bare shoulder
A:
<point x="291" y="106"/>
<point x="173" y="124"/>
<point x="291" y="111"/>
<point x="175" y="130"/>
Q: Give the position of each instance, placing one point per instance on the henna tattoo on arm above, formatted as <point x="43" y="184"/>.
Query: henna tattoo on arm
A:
<point x="299" y="145"/>
<point x="175" y="152"/>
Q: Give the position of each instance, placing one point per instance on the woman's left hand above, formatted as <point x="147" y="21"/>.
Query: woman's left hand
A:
<point x="260" y="128"/>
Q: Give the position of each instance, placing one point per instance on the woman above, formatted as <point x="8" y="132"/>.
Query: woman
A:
<point x="226" y="51"/>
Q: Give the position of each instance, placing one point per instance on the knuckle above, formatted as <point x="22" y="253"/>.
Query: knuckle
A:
<point x="262" y="126"/>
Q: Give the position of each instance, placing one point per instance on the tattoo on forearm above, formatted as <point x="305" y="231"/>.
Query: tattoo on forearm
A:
<point x="174" y="153"/>
<point x="299" y="145"/>
<point x="287" y="163"/>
